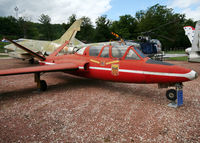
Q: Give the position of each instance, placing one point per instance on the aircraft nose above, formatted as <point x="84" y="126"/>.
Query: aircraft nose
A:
<point x="192" y="75"/>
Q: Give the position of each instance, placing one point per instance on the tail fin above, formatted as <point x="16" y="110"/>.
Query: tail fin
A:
<point x="70" y="33"/>
<point x="42" y="58"/>
<point x="196" y="40"/>
<point x="189" y="31"/>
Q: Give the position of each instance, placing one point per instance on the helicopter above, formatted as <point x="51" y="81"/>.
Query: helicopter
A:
<point x="150" y="47"/>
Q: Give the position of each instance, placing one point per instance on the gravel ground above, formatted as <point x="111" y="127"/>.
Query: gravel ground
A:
<point x="83" y="110"/>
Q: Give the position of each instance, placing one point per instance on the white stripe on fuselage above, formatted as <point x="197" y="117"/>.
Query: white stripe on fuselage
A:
<point x="189" y="75"/>
<point x="46" y="63"/>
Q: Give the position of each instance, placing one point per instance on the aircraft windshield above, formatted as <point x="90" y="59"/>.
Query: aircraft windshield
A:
<point x="105" y="52"/>
<point x="81" y="51"/>
<point x="118" y="51"/>
<point x="139" y="52"/>
<point x="132" y="55"/>
<point x="94" y="51"/>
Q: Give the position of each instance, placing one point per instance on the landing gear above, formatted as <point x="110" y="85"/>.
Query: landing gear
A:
<point x="41" y="84"/>
<point x="175" y="95"/>
<point x="171" y="94"/>
<point x="32" y="61"/>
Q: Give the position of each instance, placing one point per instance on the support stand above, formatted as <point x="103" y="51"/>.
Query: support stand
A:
<point x="179" y="94"/>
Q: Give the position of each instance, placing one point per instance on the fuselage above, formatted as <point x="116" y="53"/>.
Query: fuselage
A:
<point x="131" y="66"/>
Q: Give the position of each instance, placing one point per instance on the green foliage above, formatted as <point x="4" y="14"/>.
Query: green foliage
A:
<point x="175" y="52"/>
<point x="102" y="31"/>
<point x="2" y="44"/>
<point x="87" y="31"/>
<point x="4" y="56"/>
<point x="45" y="19"/>
<point x="9" y="27"/>
<point x="158" y="22"/>
<point x="178" y="59"/>
<point x="46" y="28"/>
<point x="71" y="20"/>
<point x="125" y="27"/>
<point x="161" y="23"/>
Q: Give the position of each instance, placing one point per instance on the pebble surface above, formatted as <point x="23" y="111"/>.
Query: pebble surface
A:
<point x="84" y="110"/>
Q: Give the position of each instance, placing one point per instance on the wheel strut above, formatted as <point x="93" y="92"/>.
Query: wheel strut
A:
<point x="41" y="84"/>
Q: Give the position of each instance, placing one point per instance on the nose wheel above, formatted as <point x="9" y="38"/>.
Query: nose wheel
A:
<point x="171" y="94"/>
<point x="175" y="95"/>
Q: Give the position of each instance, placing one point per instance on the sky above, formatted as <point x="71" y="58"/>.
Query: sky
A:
<point x="60" y="10"/>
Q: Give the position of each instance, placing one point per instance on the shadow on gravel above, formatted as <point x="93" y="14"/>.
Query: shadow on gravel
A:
<point x="70" y="83"/>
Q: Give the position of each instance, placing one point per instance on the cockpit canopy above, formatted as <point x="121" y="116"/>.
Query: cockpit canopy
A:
<point x="113" y="51"/>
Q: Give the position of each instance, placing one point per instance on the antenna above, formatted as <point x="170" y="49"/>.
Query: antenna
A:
<point x="16" y="11"/>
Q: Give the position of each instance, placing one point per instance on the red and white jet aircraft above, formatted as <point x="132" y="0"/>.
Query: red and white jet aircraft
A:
<point x="112" y="62"/>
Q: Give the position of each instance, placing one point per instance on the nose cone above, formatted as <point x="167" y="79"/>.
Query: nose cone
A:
<point x="192" y="75"/>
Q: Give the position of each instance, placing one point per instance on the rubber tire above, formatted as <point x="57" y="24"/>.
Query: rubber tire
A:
<point x="31" y="61"/>
<point x="43" y="85"/>
<point x="171" y="94"/>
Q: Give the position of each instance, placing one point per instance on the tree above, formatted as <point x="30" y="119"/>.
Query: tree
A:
<point x="125" y="27"/>
<point x="71" y="20"/>
<point x="102" y="31"/>
<point x="9" y="27"/>
<point x="161" y="23"/>
<point x="28" y="28"/>
<point x="47" y="30"/>
<point x="86" y="34"/>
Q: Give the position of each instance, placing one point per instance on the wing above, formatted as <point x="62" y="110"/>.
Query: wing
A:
<point x="17" y="55"/>
<point x="37" y="69"/>
<point x="42" y="58"/>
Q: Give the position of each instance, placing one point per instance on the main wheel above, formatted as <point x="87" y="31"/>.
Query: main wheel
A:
<point x="43" y="85"/>
<point x="31" y="61"/>
<point x="171" y="94"/>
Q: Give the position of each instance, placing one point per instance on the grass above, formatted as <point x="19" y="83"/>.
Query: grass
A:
<point x="185" y="58"/>
<point x="2" y="56"/>
<point x="178" y="58"/>
<point x="1" y="50"/>
<point x="175" y="52"/>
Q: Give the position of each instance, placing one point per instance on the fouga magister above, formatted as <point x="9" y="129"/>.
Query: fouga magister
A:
<point x="115" y="63"/>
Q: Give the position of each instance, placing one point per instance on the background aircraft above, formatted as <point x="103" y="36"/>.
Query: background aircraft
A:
<point x="193" y="35"/>
<point x="150" y="47"/>
<point x="43" y="47"/>
<point x="111" y="62"/>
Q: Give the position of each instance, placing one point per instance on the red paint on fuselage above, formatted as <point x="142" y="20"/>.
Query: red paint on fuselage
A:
<point x="131" y="71"/>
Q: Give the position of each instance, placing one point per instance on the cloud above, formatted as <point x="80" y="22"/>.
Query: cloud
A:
<point x="183" y="3"/>
<point x="58" y="10"/>
<point x="191" y="8"/>
<point x="194" y="14"/>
